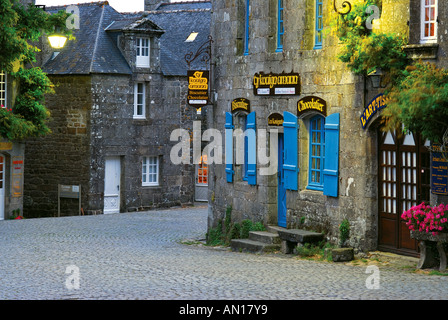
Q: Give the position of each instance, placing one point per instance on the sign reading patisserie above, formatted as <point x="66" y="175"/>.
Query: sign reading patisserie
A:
<point x="273" y="84"/>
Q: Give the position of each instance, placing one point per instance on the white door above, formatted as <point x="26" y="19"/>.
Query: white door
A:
<point x="2" y="187"/>
<point x="112" y="186"/>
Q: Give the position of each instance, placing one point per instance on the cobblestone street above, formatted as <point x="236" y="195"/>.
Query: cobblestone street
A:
<point x="140" y="256"/>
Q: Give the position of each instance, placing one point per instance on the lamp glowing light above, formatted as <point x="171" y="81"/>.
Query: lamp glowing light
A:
<point x="57" y="41"/>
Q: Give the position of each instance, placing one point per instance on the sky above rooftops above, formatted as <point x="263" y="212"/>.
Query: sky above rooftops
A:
<point x="119" y="5"/>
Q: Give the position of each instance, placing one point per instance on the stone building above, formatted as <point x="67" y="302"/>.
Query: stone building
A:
<point x="120" y="92"/>
<point x="278" y="78"/>
<point x="12" y="153"/>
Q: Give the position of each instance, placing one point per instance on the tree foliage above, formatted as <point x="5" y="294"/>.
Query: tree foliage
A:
<point x="364" y="50"/>
<point x="420" y="102"/>
<point x="19" y="28"/>
<point x="417" y="94"/>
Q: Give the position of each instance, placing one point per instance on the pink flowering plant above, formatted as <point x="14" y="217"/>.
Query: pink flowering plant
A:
<point x="425" y="218"/>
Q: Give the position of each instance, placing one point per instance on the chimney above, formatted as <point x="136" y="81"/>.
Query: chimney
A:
<point x="151" y="5"/>
<point x="27" y="2"/>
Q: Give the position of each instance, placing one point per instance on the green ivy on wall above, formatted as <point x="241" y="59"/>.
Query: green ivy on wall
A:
<point x="417" y="94"/>
<point x="19" y="28"/>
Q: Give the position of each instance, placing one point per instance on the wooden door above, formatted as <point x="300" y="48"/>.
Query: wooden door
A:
<point x="403" y="183"/>
<point x="112" y="185"/>
<point x="2" y="187"/>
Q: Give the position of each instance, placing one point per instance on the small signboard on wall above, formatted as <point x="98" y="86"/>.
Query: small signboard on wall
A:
<point x="240" y="104"/>
<point x="273" y="84"/>
<point x="275" y="120"/>
<point x="311" y="104"/>
<point x="439" y="172"/>
<point x="70" y="192"/>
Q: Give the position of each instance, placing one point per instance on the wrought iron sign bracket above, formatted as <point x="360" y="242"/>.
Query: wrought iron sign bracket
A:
<point x="205" y="50"/>
<point x="345" y="7"/>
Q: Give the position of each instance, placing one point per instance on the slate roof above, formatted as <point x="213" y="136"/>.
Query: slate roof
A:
<point x="179" y="20"/>
<point x="95" y="49"/>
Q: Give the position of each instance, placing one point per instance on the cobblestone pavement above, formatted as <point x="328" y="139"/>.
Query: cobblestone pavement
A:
<point x="139" y="256"/>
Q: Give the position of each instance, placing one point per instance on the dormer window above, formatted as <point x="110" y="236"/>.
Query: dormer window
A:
<point x="142" y="45"/>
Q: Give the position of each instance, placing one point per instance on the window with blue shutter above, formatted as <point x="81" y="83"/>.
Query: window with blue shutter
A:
<point x="290" y="163"/>
<point x="280" y="26"/>
<point x="319" y="24"/>
<point x="229" y="147"/>
<point x="331" y="166"/>
<point x="251" y="149"/>
<point x="246" y="28"/>
<point x="316" y="153"/>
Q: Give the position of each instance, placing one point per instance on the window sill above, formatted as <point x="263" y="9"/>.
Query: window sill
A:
<point x="151" y="186"/>
<point x="427" y="50"/>
<point x="139" y="117"/>
<point x="315" y="188"/>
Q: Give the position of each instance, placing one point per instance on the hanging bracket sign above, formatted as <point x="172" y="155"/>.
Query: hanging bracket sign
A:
<point x="311" y="104"/>
<point x="198" y="84"/>
<point x="273" y="84"/>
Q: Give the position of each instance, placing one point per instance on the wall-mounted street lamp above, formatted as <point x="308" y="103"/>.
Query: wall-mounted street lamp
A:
<point x="375" y="77"/>
<point x="57" y="41"/>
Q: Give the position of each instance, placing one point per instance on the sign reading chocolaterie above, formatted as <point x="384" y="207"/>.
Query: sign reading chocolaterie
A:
<point x="198" y="81"/>
<point x="275" y="119"/>
<point x="311" y="103"/>
<point x="273" y="84"/>
<point x="240" y="104"/>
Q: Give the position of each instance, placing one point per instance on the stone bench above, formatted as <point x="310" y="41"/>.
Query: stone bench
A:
<point x="433" y="250"/>
<point x="292" y="237"/>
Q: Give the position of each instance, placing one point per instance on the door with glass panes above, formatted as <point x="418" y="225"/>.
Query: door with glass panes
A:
<point x="404" y="181"/>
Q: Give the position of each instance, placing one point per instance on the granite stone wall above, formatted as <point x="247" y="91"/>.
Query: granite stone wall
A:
<point x="322" y="75"/>
<point x="92" y="118"/>
<point x="63" y="156"/>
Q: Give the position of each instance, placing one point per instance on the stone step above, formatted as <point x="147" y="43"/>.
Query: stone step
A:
<point x="274" y="229"/>
<point x="248" y="245"/>
<point x="300" y="236"/>
<point x="265" y="237"/>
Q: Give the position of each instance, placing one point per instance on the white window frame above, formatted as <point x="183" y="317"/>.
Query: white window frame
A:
<point x="137" y="94"/>
<point x="3" y="89"/>
<point x="143" y="48"/>
<point x="153" y="175"/>
<point x="424" y="22"/>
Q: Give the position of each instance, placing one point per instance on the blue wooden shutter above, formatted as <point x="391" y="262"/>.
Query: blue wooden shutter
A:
<point x="290" y="163"/>
<point x="331" y="166"/>
<point x="229" y="147"/>
<point x="251" y="149"/>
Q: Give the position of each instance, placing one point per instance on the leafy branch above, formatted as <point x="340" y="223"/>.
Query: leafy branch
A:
<point x="417" y="94"/>
<point x="19" y="28"/>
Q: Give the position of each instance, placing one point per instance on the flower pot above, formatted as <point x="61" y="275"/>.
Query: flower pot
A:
<point x="433" y="249"/>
